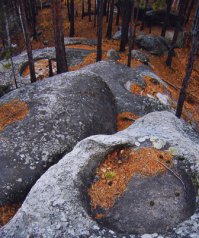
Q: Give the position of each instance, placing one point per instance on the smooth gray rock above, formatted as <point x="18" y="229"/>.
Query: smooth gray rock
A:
<point x="62" y="111"/>
<point x="57" y="205"/>
<point x="119" y="78"/>
<point x="154" y="44"/>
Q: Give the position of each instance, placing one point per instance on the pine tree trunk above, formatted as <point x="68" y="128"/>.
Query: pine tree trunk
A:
<point x="83" y="12"/>
<point x="166" y="20"/>
<point x="176" y="32"/>
<point x="99" y="29"/>
<point x="110" y="21"/>
<point x="131" y="34"/>
<point x="58" y="36"/>
<point x="89" y="10"/>
<point x="192" y="56"/>
<point x="72" y="18"/>
<point x="27" y="41"/>
<point x="144" y="16"/>
<point x="125" y="9"/>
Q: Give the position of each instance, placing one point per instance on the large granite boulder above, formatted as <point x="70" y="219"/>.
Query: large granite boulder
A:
<point x="59" y="112"/>
<point x="154" y="44"/>
<point x="57" y="205"/>
<point x="20" y="62"/>
<point x="119" y="78"/>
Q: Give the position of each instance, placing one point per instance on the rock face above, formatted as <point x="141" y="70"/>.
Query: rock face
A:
<point x="119" y="79"/>
<point x="148" y="204"/>
<point x="62" y="111"/>
<point x="139" y="55"/>
<point x="57" y="205"/>
<point x="154" y="44"/>
<point x="74" y="57"/>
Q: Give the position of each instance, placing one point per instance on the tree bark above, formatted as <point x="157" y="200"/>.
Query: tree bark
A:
<point x="58" y="36"/>
<point x="72" y="18"/>
<point x="99" y="29"/>
<point x="176" y="33"/>
<point x="89" y="10"/>
<point x="125" y="8"/>
<point x="27" y="41"/>
<point x="110" y="21"/>
<point x="166" y="20"/>
<point x="192" y="56"/>
<point x="131" y="34"/>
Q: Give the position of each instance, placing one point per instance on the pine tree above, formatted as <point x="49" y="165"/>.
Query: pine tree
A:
<point x="192" y="56"/>
<point x="58" y="36"/>
<point x="27" y="40"/>
<point x="99" y="29"/>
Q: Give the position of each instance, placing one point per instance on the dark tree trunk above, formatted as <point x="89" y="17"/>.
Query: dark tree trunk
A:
<point x="83" y="10"/>
<point x="131" y="34"/>
<point x="58" y="36"/>
<point x="68" y="9"/>
<point x="104" y="7"/>
<point x="118" y="16"/>
<point x="89" y="10"/>
<point x="144" y="16"/>
<point x="108" y="10"/>
<point x="50" y="67"/>
<point x="95" y="14"/>
<point x="27" y="41"/>
<point x="194" y="48"/>
<point x="190" y="7"/>
<point x="72" y="18"/>
<point x="166" y="20"/>
<point x="34" y="19"/>
<point x="99" y="29"/>
<point x="178" y="28"/>
<point x="110" y="21"/>
<point x="125" y="8"/>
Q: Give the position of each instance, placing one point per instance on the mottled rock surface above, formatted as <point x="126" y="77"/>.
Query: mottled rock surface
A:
<point x="57" y="204"/>
<point x="154" y="44"/>
<point x="62" y="111"/>
<point x="139" y="55"/>
<point x="119" y="78"/>
<point x="74" y="57"/>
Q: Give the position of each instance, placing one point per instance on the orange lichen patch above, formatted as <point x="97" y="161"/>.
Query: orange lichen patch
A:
<point x="11" y="112"/>
<point x="41" y="69"/>
<point x="125" y="119"/>
<point x="118" y="169"/>
<point x="7" y="212"/>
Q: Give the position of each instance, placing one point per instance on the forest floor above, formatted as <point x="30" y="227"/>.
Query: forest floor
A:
<point x="172" y="75"/>
<point x="85" y="29"/>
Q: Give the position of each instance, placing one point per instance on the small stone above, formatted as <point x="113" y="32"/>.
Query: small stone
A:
<point x="137" y="143"/>
<point x="146" y="236"/>
<point x="113" y="55"/>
